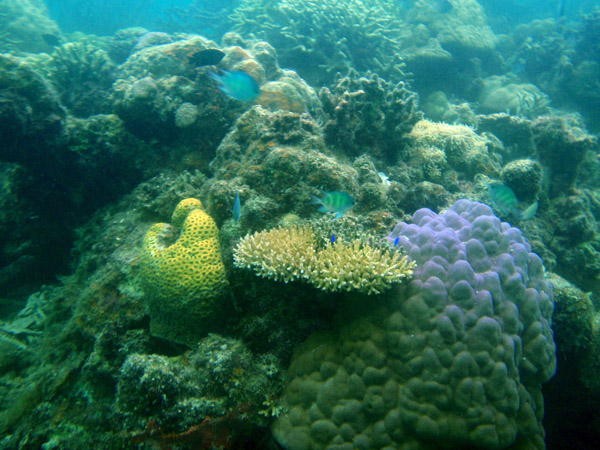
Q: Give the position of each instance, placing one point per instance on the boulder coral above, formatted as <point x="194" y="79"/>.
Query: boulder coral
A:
<point x="183" y="275"/>
<point x="455" y="360"/>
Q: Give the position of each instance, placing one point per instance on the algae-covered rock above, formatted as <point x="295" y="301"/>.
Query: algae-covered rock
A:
<point x="366" y="114"/>
<point x="27" y="27"/>
<point x="282" y="159"/>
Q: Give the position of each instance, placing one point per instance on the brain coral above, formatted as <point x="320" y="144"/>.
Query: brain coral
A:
<point x="183" y="275"/>
<point x="454" y="361"/>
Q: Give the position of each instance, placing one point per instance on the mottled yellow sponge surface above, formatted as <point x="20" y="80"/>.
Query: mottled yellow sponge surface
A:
<point x="182" y="271"/>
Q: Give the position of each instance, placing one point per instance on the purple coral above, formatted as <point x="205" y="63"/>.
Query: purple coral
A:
<point x="454" y="361"/>
<point x="473" y="261"/>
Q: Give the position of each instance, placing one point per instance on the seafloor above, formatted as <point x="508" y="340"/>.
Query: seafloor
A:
<point x="141" y="309"/>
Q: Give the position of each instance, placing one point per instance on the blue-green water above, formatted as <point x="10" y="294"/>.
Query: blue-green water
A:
<point x="167" y="279"/>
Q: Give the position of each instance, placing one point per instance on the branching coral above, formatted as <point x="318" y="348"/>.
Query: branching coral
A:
<point x="280" y="254"/>
<point x="290" y="254"/>
<point x="319" y="39"/>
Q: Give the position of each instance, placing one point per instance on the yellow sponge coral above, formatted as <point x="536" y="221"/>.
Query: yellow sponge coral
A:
<point x="182" y="273"/>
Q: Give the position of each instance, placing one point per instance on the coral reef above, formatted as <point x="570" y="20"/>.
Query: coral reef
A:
<point x="562" y="146"/>
<point x="217" y="378"/>
<point x="183" y="275"/>
<point x="278" y="160"/>
<point x="438" y="336"/>
<point x="320" y="39"/>
<point x="25" y="27"/>
<point x="366" y="114"/>
<point x="437" y="146"/>
<point x="457" y="357"/>
<point x="499" y="94"/>
<point x="290" y="254"/>
<point x="82" y="74"/>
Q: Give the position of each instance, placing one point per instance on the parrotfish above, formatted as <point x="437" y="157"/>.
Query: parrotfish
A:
<point x="334" y="202"/>
<point x="237" y="208"/>
<point x="506" y="201"/>
<point x="237" y="84"/>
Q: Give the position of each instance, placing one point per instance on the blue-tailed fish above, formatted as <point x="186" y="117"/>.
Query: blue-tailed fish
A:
<point x="237" y="84"/>
<point x="334" y="202"/>
<point x="505" y="200"/>
<point x="236" y="212"/>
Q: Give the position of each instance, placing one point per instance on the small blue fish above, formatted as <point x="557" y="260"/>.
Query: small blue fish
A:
<point x="333" y="238"/>
<point x="396" y="241"/>
<point x="334" y="202"/>
<point x="237" y="208"/>
<point x="237" y="84"/>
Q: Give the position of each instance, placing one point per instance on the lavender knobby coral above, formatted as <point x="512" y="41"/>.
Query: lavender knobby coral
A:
<point x="455" y="360"/>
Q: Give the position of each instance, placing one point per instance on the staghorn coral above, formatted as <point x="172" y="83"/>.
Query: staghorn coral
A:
<point x="359" y="267"/>
<point x="183" y="275"/>
<point x="290" y="254"/>
<point x="280" y="254"/>
<point x="367" y="114"/>
<point x="319" y="39"/>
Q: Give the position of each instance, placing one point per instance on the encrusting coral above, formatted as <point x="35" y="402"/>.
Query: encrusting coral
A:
<point x="183" y="280"/>
<point x="290" y="254"/>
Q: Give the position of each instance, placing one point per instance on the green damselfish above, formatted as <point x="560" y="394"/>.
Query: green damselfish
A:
<point x="505" y="200"/>
<point x="337" y="202"/>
